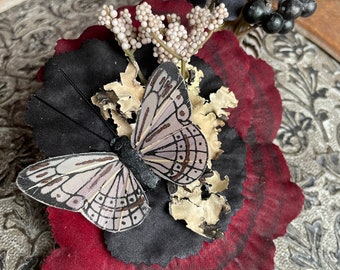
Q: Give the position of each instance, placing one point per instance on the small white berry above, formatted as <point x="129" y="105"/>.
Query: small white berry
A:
<point x="125" y="46"/>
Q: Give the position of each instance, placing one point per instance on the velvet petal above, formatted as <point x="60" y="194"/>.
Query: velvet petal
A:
<point x="271" y="201"/>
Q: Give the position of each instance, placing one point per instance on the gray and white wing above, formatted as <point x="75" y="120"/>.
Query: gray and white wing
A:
<point x="96" y="184"/>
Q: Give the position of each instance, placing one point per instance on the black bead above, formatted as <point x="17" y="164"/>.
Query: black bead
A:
<point x="273" y="23"/>
<point x="290" y="9"/>
<point x="287" y="27"/>
<point x="254" y="12"/>
<point x="309" y="8"/>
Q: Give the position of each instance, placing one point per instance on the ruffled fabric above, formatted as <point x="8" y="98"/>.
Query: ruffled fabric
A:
<point x="271" y="201"/>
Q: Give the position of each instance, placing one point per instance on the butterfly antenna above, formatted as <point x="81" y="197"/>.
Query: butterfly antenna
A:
<point x="87" y="100"/>
<point x="69" y="118"/>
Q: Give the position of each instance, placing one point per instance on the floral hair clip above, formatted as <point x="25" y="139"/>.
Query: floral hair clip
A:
<point x="158" y="129"/>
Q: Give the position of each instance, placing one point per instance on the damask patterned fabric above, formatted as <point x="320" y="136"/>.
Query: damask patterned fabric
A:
<point x="309" y="82"/>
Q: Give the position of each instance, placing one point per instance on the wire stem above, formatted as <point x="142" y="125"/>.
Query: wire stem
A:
<point x="131" y="56"/>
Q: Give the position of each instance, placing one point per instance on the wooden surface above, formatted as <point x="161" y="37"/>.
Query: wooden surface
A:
<point x="323" y="27"/>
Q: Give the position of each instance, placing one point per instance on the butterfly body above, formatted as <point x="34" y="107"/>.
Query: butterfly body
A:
<point x="108" y="188"/>
<point x="133" y="160"/>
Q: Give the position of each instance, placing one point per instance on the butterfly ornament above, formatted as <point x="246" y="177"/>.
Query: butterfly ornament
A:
<point x="107" y="188"/>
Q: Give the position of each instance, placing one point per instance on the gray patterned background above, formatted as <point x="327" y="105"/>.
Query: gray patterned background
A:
<point x="308" y="79"/>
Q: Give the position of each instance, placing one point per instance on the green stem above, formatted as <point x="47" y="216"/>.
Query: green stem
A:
<point x="212" y="5"/>
<point x="131" y="56"/>
<point x="183" y="69"/>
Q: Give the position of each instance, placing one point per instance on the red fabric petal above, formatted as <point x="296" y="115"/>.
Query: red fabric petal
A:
<point x="180" y="7"/>
<point x="271" y="200"/>
<point x="267" y="208"/>
<point x="66" y="45"/>
<point x="267" y="109"/>
<point x="82" y="244"/>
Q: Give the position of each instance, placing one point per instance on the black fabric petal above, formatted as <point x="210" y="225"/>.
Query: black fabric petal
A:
<point x="200" y="3"/>
<point x="232" y="163"/>
<point x="210" y="83"/>
<point x="160" y="238"/>
<point x="63" y="123"/>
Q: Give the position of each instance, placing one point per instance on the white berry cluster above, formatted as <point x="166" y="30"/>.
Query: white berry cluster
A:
<point x="172" y="40"/>
<point x="150" y="24"/>
<point x="121" y="26"/>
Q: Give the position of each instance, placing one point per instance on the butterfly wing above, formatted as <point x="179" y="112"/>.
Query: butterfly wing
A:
<point x="120" y="205"/>
<point x="96" y="184"/>
<point x="180" y="157"/>
<point x="165" y="107"/>
<point x="169" y="142"/>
